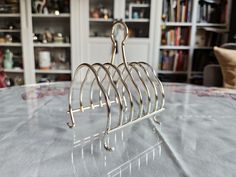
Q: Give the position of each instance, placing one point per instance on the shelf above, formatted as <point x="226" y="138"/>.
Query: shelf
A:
<point x="138" y="5"/>
<point x="15" y="44"/>
<point x="13" y="70"/>
<point x="39" y="71"/>
<point x="63" y="15"/>
<point x="196" y="72"/>
<point x="211" y="25"/>
<point x="203" y="48"/>
<point x="171" y="72"/>
<point x="100" y="20"/>
<point x="137" y="20"/>
<point x="175" y="47"/>
<point x="176" y="23"/>
<point x="10" y="31"/>
<point x="52" y="45"/>
<point x="10" y="15"/>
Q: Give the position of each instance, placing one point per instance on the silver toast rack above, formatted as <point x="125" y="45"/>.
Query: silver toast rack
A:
<point x="132" y="86"/>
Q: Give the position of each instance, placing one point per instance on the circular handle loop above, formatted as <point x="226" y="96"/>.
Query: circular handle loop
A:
<point x="126" y="30"/>
<point x="114" y="47"/>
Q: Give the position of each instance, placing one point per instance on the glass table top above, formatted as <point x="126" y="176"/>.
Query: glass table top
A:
<point x="196" y="136"/>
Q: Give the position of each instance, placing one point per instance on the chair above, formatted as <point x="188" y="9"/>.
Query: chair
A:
<point x="212" y="75"/>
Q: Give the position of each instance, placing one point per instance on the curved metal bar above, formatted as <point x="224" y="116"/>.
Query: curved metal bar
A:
<point x="153" y="85"/>
<point x="126" y="88"/>
<point x="117" y="93"/>
<point x="158" y="81"/>
<point x="91" y="92"/>
<point x="140" y="100"/>
<point x="81" y="91"/>
<point x="144" y="85"/>
<point x="108" y="104"/>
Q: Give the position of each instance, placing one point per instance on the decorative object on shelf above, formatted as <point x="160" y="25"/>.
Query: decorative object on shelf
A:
<point x="39" y="5"/>
<point x="11" y="26"/>
<point x="8" y="59"/>
<point x="48" y="35"/>
<point x="138" y="10"/>
<point x="44" y="59"/>
<point x="9" y="6"/>
<point x="37" y="37"/>
<point x="94" y="13"/>
<point x="43" y="79"/>
<point x="8" y="38"/>
<point x="200" y="38"/>
<point x="59" y="60"/>
<point x="2" y="40"/>
<point x="135" y="15"/>
<point x="58" y="38"/>
<point x="133" y="86"/>
<point x="18" y="80"/>
<point x="9" y="81"/>
<point x="100" y="11"/>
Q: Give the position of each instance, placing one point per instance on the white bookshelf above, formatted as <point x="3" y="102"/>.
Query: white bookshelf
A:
<point x="83" y="47"/>
<point x="38" y="71"/>
<point x="62" y="15"/>
<point x="100" y="20"/>
<point x="172" y="72"/>
<point x="54" y="23"/>
<point x="16" y="45"/>
<point x="13" y="44"/>
<point x="212" y="25"/>
<point x="176" y="23"/>
<point x="193" y="26"/>
<point x="10" y="15"/>
<point x="170" y="47"/>
<point x="51" y="45"/>
<point x="10" y="30"/>
<point x="14" y="70"/>
<point x="137" y="20"/>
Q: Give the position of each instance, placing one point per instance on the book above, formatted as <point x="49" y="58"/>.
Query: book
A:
<point x="212" y="11"/>
<point x="177" y="10"/>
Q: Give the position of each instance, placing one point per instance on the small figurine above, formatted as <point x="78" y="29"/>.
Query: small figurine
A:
<point x="39" y="5"/>
<point x="8" y="59"/>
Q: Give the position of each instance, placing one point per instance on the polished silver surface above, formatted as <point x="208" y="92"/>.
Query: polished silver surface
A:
<point x="196" y="137"/>
<point x="129" y="85"/>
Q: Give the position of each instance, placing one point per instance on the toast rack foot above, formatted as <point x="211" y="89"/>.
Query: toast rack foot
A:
<point x="71" y="125"/>
<point x="106" y="143"/>
<point x="155" y="118"/>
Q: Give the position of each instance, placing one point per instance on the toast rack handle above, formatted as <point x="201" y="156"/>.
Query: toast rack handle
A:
<point x="117" y="23"/>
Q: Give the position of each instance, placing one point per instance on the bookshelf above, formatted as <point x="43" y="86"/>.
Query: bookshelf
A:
<point x="11" y="55"/>
<point x="97" y="18"/>
<point x="187" y="32"/>
<point x="157" y="32"/>
<point x="51" y="40"/>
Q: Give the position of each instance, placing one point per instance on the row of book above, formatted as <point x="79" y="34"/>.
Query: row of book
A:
<point x="212" y="11"/>
<point x="175" y="36"/>
<point x="177" y="10"/>
<point x="174" y="60"/>
<point x="209" y="37"/>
